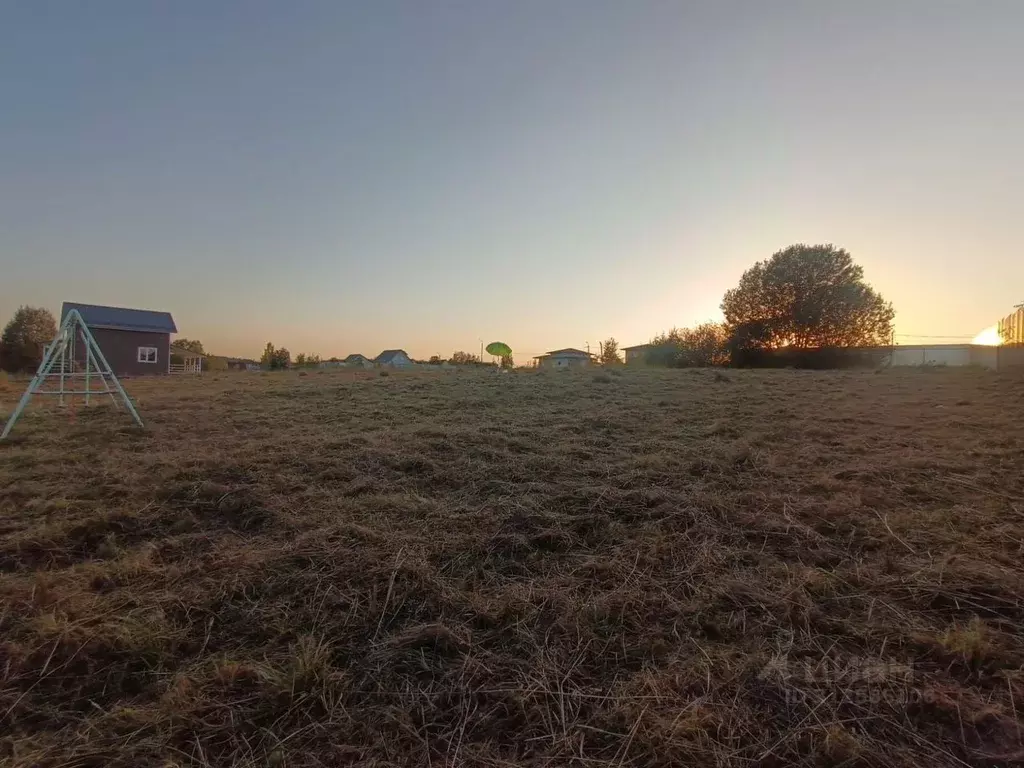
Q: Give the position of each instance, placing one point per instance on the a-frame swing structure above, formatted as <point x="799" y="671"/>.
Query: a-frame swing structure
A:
<point x="59" y="373"/>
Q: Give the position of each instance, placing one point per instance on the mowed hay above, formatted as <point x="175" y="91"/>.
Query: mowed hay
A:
<point x="763" y="568"/>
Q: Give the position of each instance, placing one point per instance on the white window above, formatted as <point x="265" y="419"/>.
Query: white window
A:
<point x="147" y="354"/>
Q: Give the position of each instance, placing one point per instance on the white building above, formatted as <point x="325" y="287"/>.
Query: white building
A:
<point x="394" y="358"/>
<point x="564" y="358"/>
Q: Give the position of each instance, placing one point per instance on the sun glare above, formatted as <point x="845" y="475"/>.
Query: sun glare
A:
<point x="989" y="337"/>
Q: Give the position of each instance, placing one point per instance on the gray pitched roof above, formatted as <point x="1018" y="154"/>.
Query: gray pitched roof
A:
<point x="355" y="358"/>
<point x="388" y="355"/>
<point x="121" y="318"/>
<point x="570" y="352"/>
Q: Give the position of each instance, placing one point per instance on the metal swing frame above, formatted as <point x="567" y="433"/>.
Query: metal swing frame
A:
<point x="60" y="354"/>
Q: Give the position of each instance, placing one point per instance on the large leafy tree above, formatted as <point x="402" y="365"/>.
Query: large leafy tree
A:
<point x="192" y="345"/>
<point x="806" y="296"/>
<point x="25" y="337"/>
<point x="275" y="358"/>
<point x="30" y="326"/>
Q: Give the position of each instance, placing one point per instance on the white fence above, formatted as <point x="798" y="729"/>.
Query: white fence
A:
<point x="946" y="354"/>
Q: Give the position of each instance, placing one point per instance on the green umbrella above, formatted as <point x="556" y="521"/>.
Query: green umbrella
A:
<point x="499" y="349"/>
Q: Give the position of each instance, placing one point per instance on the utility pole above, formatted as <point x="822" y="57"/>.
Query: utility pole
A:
<point x="481" y="350"/>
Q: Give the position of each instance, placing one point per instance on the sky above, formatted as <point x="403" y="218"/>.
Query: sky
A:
<point x="342" y="177"/>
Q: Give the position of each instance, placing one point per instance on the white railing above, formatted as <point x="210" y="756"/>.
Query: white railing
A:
<point x="186" y="369"/>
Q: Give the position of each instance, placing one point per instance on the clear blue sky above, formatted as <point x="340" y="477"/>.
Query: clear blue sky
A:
<point x="349" y="176"/>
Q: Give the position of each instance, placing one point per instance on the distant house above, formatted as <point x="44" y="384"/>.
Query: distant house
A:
<point x="394" y="358"/>
<point x="242" y="364"/>
<point x="134" y="341"/>
<point x="358" y="361"/>
<point x="637" y="354"/>
<point x="564" y="358"/>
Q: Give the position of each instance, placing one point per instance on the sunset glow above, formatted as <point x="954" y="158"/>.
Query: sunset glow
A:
<point x="989" y="337"/>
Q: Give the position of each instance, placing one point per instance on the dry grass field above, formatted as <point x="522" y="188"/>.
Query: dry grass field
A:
<point x="684" y="568"/>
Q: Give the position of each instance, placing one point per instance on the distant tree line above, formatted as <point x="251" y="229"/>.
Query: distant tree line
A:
<point x="796" y="308"/>
<point x="464" y="358"/>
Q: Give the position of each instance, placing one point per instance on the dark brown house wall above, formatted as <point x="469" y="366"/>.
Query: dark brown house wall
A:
<point x="121" y="348"/>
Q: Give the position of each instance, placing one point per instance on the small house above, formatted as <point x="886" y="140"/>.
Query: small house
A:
<point x="564" y="358"/>
<point x="358" y="361"/>
<point x="242" y="364"/>
<point x="394" y="358"/>
<point x="135" y="342"/>
<point x="636" y="355"/>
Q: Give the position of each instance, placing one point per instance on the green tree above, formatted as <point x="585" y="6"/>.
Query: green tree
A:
<point x="192" y="345"/>
<point x="300" y="359"/>
<point x="701" y="346"/>
<point x="806" y="296"/>
<point x="747" y="338"/>
<point x="435" y="360"/>
<point x="25" y="338"/>
<point x="464" y="358"/>
<point x="275" y="358"/>
<point x="30" y="325"/>
<point x="506" y="362"/>
<point x="609" y="352"/>
<point x="665" y="349"/>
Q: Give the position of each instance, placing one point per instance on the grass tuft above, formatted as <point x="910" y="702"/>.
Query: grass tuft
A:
<point x="971" y="640"/>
